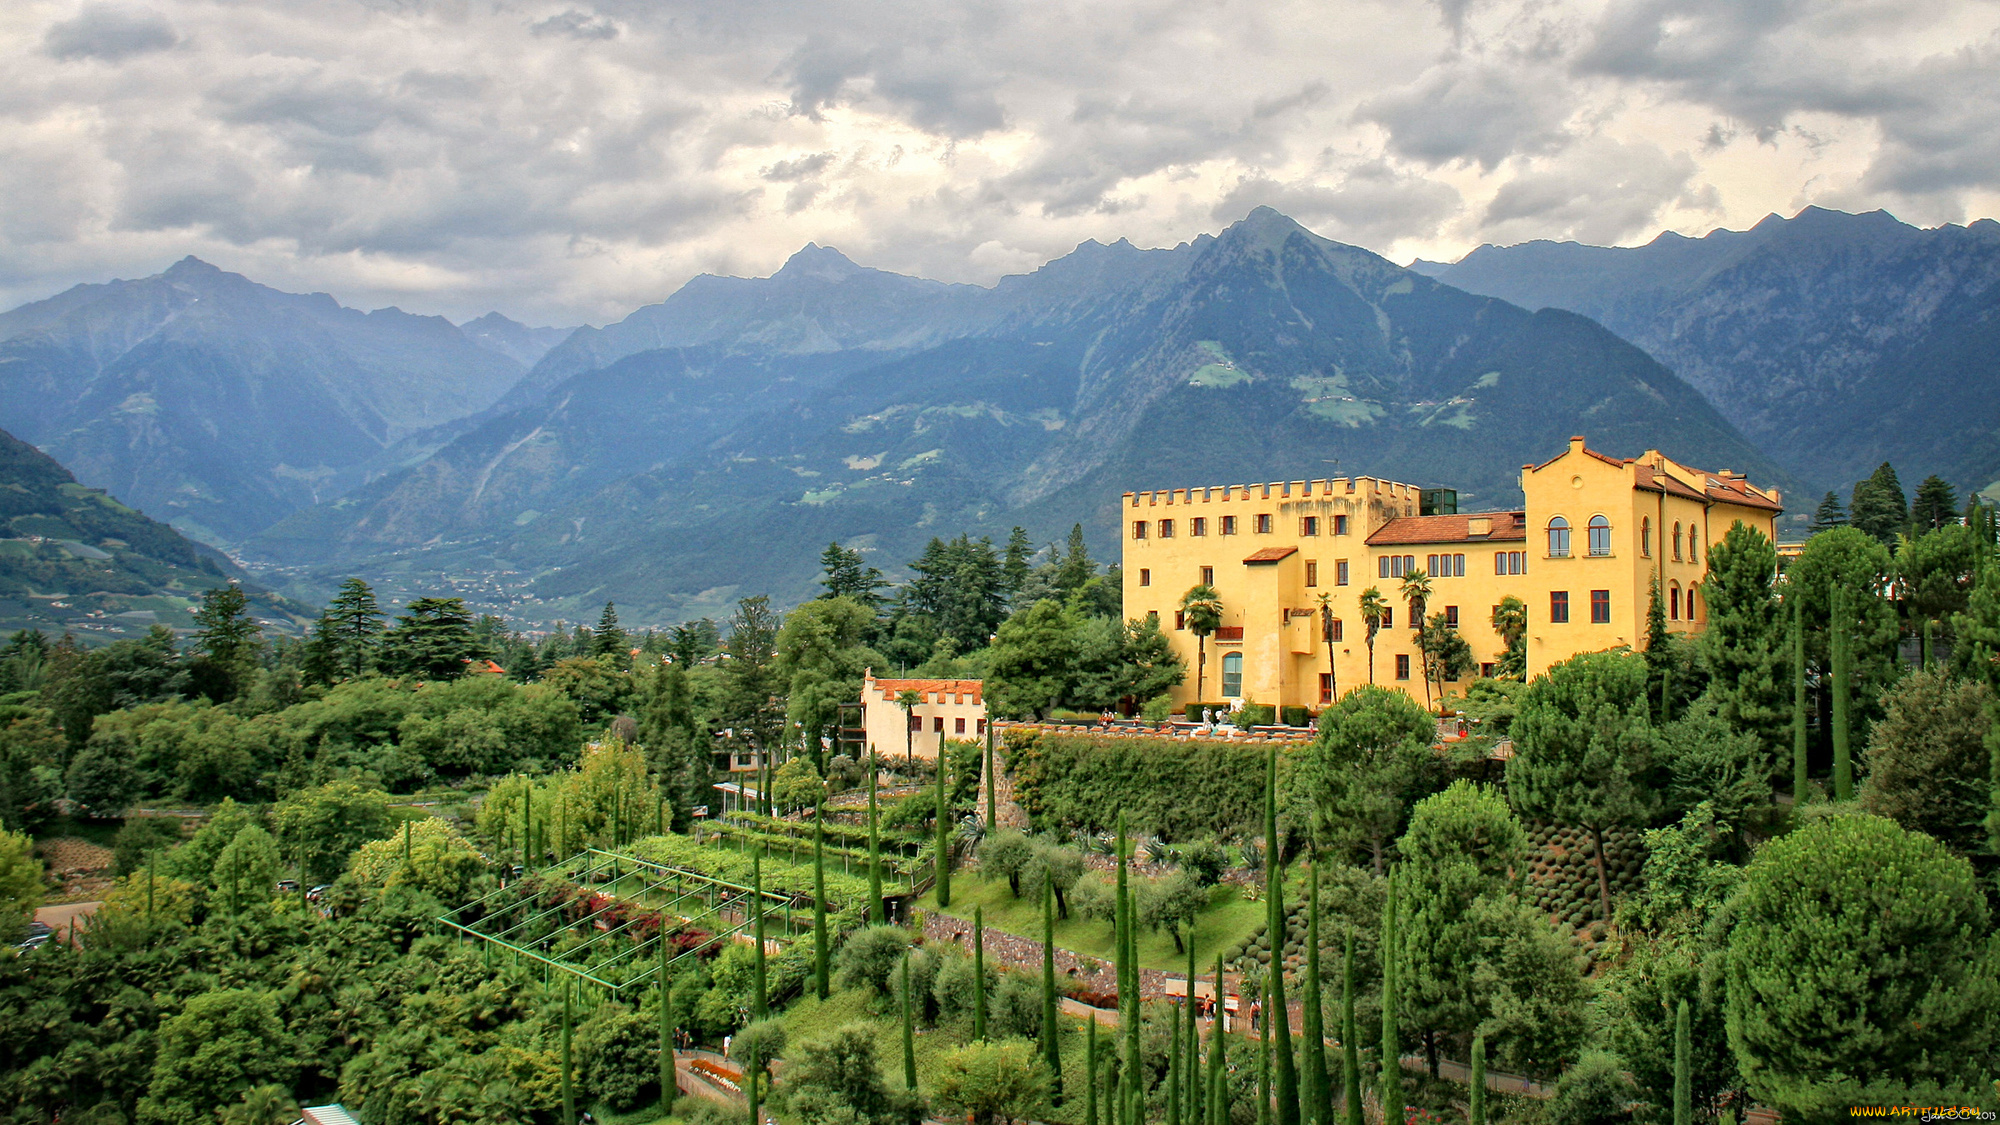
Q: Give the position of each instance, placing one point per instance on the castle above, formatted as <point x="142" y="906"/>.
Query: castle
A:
<point x="1582" y="554"/>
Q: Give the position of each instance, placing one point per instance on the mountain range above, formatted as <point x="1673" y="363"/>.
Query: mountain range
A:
<point x="709" y="445"/>
<point x="1833" y="341"/>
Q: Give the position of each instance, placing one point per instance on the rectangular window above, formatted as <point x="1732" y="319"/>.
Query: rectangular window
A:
<point x="1166" y="529"/>
<point x="1499" y="562"/>
<point x="1339" y="631"/>
<point x="1486" y="669"/>
<point x="1340" y="525"/>
<point x="937" y="725"/>
<point x="982" y="727"/>
<point x="1263" y="523"/>
<point x="1431" y="567"/>
<point x="1208" y="576"/>
<point x="1138" y="529"/>
<point x="1309" y="525"/>
<point x="1180" y="619"/>
<point x="1559" y="606"/>
<point x="1229" y="525"/>
<point x="1200" y="526"/>
<point x="1312" y="573"/>
<point x="1388" y="616"/>
<point x="1145" y="577"/>
<point x="1326" y="687"/>
<point x="1458" y="566"/>
<point x="1402" y="665"/>
<point x="959" y="727"/>
<point x="1600" y="607"/>
<point x="916" y="722"/>
<point x="1340" y="572"/>
<point x="1383" y="564"/>
<point x="1451" y="616"/>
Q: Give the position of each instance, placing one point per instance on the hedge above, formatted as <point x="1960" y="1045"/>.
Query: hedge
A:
<point x="1175" y="788"/>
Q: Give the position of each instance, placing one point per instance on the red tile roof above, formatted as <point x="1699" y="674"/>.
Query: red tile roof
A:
<point x="1271" y="554"/>
<point x="1449" y="529"/>
<point x="890" y="689"/>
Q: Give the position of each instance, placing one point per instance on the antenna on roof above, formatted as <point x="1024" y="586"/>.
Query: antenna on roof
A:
<point x="1334" y="461"/>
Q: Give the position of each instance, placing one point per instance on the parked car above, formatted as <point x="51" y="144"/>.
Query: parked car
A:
<point x="288" y="886"/>
<point x="314" y="894"/>
<point x="40" y="929"/>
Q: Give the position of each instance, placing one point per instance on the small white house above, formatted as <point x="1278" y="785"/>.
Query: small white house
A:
<point x="945" y="709"/>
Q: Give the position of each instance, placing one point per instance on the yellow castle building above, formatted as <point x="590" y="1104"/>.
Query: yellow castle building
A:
<point x="1582" y="554"/>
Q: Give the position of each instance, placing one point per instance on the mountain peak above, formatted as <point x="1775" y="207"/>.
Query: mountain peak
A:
<point x="822" y="263"/>
<point x="191" y="267"/>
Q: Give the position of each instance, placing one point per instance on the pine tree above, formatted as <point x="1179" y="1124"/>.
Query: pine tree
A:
<point x="1317" y="1090"/>
<point x="1829" y="515"/>
<point x="1286" y="1084"/>
<point x="1476" y="1114"/>
<point x="820" y="967"/>
<point x="431" y="642"/>
<point x="1076" y="566"/>
<point x="1390" y="1092"/>
<point x="1014" y="566"/>
<point x="1683" y="1090"/>
<point x="1350" y="1041"/>
<point x="1051" y="1029"/>
<point x="1878" y="506"/>
<point x="845" y="575"/>
<point x="609" y="640"/>
<point x="353" y="627"/>
<point x="1934" y="506"/>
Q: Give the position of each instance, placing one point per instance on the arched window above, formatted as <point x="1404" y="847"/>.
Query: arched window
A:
<point x="1694" y="543"/>
<point x="1646" y="536"/>
<point x="1677" y="540"/>
<point x="1600" y="536"/>
<point x="1232" y="675"/>
<point x="1558" y="538"/>
<point x="1674" y="602"/>
<point x="1693" y="607"/>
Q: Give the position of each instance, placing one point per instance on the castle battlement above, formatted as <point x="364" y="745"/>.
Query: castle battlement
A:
<point x="1275" y="490"/>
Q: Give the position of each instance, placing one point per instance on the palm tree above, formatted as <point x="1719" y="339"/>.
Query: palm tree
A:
<point x="1201" y="609"/>
<point x="1416" y="590"/>
<point x="1510" y="620"/>
<point x="909" y="701"/>
<point x="1374" y="607"/>
<point x="1326" y="632"/>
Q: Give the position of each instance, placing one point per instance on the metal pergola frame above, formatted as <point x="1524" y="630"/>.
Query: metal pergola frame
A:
<point x="681" y="886"/>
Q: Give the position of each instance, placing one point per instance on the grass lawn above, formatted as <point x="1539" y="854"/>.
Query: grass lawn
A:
<point x="1229" y="918"/>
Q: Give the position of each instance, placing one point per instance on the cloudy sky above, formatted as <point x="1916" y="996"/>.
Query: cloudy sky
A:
<point x="566" y="162"/>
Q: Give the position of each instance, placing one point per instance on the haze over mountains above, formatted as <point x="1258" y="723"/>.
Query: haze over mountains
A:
<point x="710" y="445"/>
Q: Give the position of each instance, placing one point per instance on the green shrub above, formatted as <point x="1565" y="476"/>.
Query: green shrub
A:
<point x="1297" y="716"/>
<point x="1256" y="715"/>
<point x="1193" y="710"/>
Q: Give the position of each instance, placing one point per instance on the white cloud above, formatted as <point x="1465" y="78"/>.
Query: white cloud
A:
<point x="564" y="161"/>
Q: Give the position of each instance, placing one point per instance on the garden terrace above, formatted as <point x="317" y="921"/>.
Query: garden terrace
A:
<point x="602" y="916"/>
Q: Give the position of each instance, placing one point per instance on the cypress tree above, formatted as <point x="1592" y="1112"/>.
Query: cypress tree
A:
<point x="943" y="838"/>
<point x="1128" y="977"/>
<point x="909" y="1031"/>
<point x="1843" y="759"/>
<point x="1051" y="1030"/>
<point x="820" y="967"/>
<point x="1798" y="703"/>
<point x="568" y="1093"/>
<point x="874" y="845"/>
<point x="1683" y="1089"/>
<point x="979" y="973"/>
<point x="667" y="1085"/>
<point x="763" y="1008"/>
<point x="528" y="826"/>
<point x="1090" y="1073"/>
<point x="1218" y="1059"/>
<point x="992" y="782"/>
<point x="1350" y="1041"/>
<point x="1391" y="1091"/>
<point x="1285" y="1080"/>
<point x="1318" y="1092"/>
<point x="1264" y="1053"/>
<point x="1478" y="1092"/>
<point x="1193" y="1102"/>
<point x="1174" y="1074"/>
